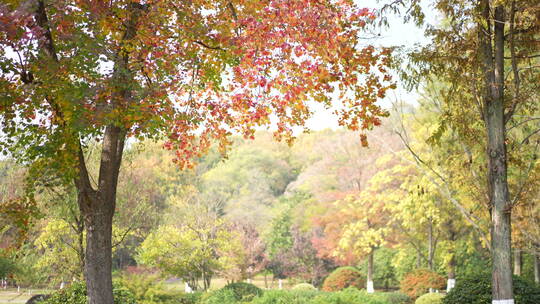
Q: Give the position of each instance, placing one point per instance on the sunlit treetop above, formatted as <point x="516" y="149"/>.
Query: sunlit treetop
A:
<point x="195" y="71"/>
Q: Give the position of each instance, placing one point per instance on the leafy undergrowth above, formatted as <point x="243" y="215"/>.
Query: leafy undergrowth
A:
<point x="237" y="293"/>
<point x="347" y="296"/>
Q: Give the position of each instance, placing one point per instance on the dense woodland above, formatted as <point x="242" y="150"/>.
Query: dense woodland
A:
<point x="151" y="140"/>
<point x="285" y="211"/>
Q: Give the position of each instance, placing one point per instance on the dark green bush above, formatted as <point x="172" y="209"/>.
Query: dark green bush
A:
<point x="476" y="289"/>
<point x="76" y="294"/>
<point x="243" y="291"/>
<point x="342" y="278"/>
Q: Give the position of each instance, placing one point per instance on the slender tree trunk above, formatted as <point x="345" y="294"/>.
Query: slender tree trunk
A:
<point x="418" y="260"/>
<point x="518" y="261"/>
<point x="493" y="100"/>
<point x="536" y="261"/>
<point x="431" y="251"/>
<point x="370" y="287"/>
<point x="208" y="281"/>
<point x="451" y="266"/>
<point x="451" y="273"/>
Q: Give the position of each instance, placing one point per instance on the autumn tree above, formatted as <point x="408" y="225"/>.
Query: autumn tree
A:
<point x="368" y="221"/>
<point x="197" y="71"/>
<point x="291" y="248"/>
<point x="338" y="166"/>
<point x="486" y="50"/>
<point x="255" y="256"/>
<point x="194" y="243"/>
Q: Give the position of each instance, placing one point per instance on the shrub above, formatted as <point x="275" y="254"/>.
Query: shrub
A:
<point x="476" y="288"/>
<point x="349" y="295"/>
<point x="419" y="281"/>
<point x="142" y="285"/>
<point x="188" y="298"/>
<point x="342" y="278"/>
<point x="243" y="291"/>
<point x="304" y="287"/>
<point x="76" y="294"/>
<point x="430" y="298"/>
<point x="221" y="296"/>
<point x="285" y="297"/>
<point x="7" y="267"/>
<point x="232" y="293"/>
<point x="394" y="297"/>
<point x="162" y="296"/>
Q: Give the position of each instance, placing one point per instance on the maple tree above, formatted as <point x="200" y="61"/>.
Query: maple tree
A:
<point x="194" y="71"/>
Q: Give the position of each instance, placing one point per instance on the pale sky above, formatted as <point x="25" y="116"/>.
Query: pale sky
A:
<point x="398" y="34"/>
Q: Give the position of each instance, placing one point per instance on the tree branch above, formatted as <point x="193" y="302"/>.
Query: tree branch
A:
<point x="208" y="46"/>
<point x="515" y="70"/>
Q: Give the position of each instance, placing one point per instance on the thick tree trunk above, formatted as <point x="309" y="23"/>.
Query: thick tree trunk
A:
<point x="492" y="57"/>
<point x="97" y="208"/>
<point x="370" y="286"/>
<point x="99" y="252"/>
<point x="501" y="209"/>
<point x="518" y="261"/>
<point x="80" y="245"/>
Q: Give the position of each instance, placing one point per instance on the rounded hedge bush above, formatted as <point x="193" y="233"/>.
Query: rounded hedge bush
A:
<point x="220" y="296"/>
<point x="243" y="291"/>
<point x="419" y="281"/>
<point x="394" y="297"/>
<point x="342" y="278"/>
<point x="430" y="298"/>
<point x="304" y="287"/>
<point x="285" y="297"/>
<point x="476" y="288"/>
<point x="76" y="294"/>
<point x="350" y="295"/>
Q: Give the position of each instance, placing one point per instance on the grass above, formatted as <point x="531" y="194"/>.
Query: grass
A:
<point x="11" y="295"/>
